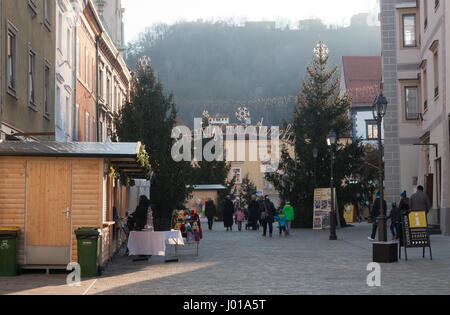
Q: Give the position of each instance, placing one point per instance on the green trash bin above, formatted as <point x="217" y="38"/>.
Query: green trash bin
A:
<point x="88" y="251"/>
<point x="8" y="251"/>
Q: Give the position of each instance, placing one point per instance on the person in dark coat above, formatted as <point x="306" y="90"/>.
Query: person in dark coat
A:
<point x="210" y="211"/>
<point x="376" y="212"/>
<point x="253" y="213"/>
<point x="420" y="201"/>
<point x="141" y="213"/>
<point x="267" y="215"/>
<point x="228" y="212"/>
<point x="396" y="218"/>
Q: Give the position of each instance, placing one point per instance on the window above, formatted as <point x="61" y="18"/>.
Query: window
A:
<point x="425" y="13"/>
<point x="76" y="124"/>
<point x="372" y="130"/>
<point x="11" y="62"/>
<point x="87" y="127"/>
<point x="236" y="173"/>
<point x="67" y="111"/>
<point x="31" y="76"/>
<point x="47" y="89"/>
<point x="48" y="13"/>
<point x="87" y="68"/>
<point x="69" y="47"/>
<point x="60" y="29"/>
<point x="412" y="103"/>
<point x="58" y="110"/>
<point x="100" y="83"/>
<point x="425" y="89"/>
<point x="436" y="74"/>
<point x="409" y="31"/>
<point x="100" y="133"/>
<point x="108" y="91"/>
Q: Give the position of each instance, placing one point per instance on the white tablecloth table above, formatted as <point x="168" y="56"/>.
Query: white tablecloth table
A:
<point x="152" y="243"/>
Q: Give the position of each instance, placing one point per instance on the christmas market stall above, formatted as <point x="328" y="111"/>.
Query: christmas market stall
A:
<point x="50" y="190"/>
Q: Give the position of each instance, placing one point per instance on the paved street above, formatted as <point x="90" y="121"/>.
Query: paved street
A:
<point x="245" y="263"/>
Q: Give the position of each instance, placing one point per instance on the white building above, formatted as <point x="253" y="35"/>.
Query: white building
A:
<point x="64" y="90"/>
<point x="219" y="120"/>
<point x="416" y="61"/>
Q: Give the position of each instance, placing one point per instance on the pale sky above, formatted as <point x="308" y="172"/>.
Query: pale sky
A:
<point x="140" y="14"/>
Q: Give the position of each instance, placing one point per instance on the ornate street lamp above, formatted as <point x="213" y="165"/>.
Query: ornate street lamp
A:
<point x="379" y="108"/>
<point x="331" y="141"/>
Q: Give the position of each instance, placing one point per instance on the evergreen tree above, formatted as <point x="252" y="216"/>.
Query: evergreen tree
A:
<point x="320" y="109"/>
<point x="149" y="117"/>
<point x="247" y="190"/>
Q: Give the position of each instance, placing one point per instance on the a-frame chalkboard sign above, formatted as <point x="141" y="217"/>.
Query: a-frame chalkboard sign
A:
<point x="415" y="233"/>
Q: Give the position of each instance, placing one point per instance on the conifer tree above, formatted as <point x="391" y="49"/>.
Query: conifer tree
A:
<point x="150" y="117"/>
<point x="320" y="109"/>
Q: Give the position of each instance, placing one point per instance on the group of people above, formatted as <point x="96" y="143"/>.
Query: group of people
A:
<point x="261" y="212"/>
<point x="418" y="202"/>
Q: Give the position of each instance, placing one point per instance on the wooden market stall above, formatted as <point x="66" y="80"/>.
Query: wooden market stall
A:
<point x="50" y="189"/>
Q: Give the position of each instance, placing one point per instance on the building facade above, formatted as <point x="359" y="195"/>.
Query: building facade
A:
<point x="85" y="111"/>
<point x="28" y="68"/>
<point x="114" y="85"/>
<point x="415" y="53"/>
<point x="66" y="19"/>
<point x="111" y="15"/>
<point x="361" y="80"/>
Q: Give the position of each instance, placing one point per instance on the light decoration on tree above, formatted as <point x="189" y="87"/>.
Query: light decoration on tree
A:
<point x="321" y="51"/>
<point x="243" y="115"/>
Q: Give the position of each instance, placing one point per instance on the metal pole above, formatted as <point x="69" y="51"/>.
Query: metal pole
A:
<point x="382" y="218"/>
<point x="333" y="236"/>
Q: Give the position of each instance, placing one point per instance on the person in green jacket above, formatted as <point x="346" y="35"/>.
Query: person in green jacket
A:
<point x="289" y="213"/>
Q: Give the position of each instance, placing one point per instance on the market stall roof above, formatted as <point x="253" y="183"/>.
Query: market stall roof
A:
<point x="123" y="156"/>
<point x="208" y="187"/>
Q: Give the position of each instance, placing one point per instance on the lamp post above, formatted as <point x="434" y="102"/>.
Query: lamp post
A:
<point x="379" y="108"/>
<point x="331" y="140"/>
<point x="315" y="156"/>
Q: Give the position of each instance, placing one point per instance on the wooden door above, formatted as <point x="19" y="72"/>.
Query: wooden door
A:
<point x="48" y="219"/>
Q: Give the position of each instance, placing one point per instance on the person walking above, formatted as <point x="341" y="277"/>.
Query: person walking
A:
<point x="288" y="211"/>
<point x="210" y="212"/>
<point x="228" y="211"/>
<point x="404" y="203"/>
<point x="282" y="223"/>
<point x="420" y="201"/>
<point x="239" y="217"/>
<point x="396" y="219"/>
<point x="267" y="216"/>
<point x="253" y="213"/>
<point x="376" y="212"/>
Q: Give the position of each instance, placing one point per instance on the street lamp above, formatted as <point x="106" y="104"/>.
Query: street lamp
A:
<point x="379" y="108"/>
<point x="331" y="141"/>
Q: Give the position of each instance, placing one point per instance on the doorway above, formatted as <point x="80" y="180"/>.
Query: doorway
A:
<point x="48" y="213"/>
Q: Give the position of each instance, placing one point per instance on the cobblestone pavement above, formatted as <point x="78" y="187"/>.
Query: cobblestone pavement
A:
<point x="245" y="263"/>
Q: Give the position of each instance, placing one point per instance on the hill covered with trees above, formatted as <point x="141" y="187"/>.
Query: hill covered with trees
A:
<point x="221" y="66"/>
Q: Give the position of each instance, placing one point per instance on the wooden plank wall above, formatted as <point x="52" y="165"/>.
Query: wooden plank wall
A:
<point x="87" y="197"/>
<point x="12" y="197"/>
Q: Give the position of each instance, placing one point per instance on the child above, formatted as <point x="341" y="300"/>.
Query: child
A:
<point x="239" y="217"/>
<point x="282" y="223"/>
<point x="289" y="213"/>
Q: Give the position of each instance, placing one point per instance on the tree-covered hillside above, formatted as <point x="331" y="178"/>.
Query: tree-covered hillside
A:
<point x="219" y="66"/>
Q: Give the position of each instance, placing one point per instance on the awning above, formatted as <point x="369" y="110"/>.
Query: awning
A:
<point x="122" y="156"/>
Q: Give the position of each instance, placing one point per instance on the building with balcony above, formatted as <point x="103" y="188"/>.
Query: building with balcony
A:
<point x="415" y="68"/>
